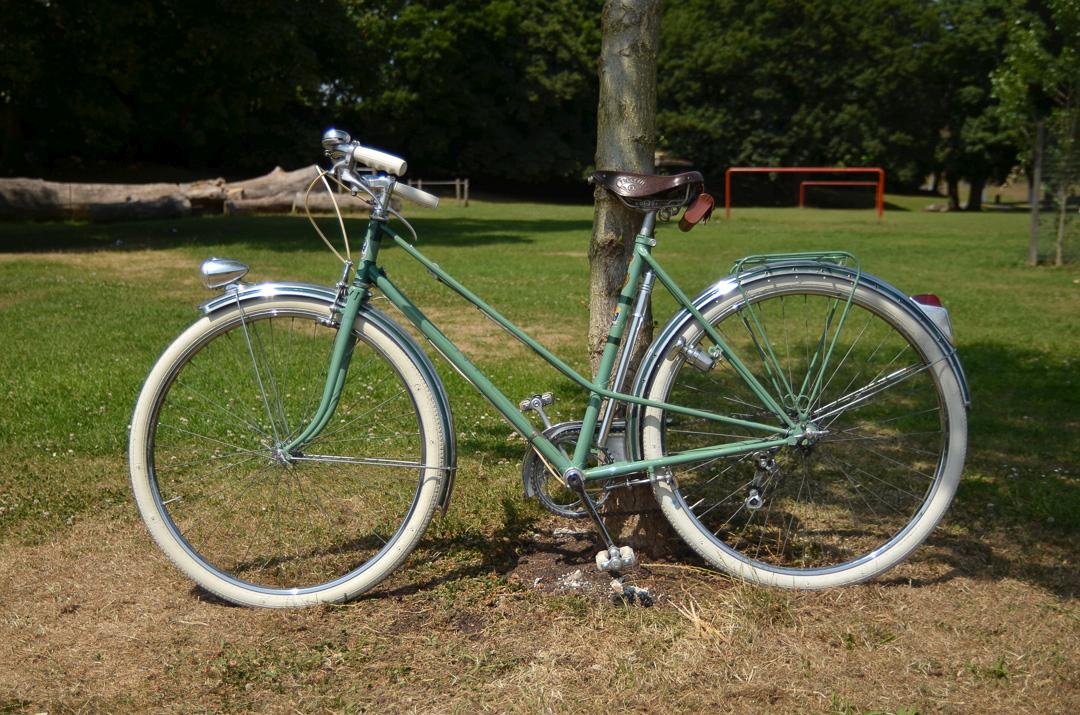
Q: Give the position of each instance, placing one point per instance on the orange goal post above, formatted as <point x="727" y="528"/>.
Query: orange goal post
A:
<point x="879" y="182"/>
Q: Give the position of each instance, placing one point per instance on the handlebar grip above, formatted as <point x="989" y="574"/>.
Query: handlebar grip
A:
<point x="380" y="160"/>
<point x="417" y="196"/>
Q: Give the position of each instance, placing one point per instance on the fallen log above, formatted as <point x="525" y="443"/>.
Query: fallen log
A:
<point x="36" y="199"/>
<point x="276" y="183"/>
<point x="279" y="191"/>
<point x="294" y="203"/>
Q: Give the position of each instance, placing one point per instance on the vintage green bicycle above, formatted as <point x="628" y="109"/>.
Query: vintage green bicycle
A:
<point x="802" y="424"/>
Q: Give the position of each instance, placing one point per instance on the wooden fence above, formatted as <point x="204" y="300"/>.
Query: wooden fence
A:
<point x="461" y="188"/>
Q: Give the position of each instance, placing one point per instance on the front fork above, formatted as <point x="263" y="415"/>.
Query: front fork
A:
<point x="340" y="356"/>
<point x="352" y="294"/>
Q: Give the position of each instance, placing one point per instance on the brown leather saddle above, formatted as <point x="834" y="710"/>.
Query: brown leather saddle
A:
<point x="647" y="192"/>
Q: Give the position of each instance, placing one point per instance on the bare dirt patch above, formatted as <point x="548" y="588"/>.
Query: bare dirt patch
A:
<point x="559" y="560"/>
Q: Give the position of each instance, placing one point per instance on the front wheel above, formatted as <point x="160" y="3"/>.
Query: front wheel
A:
<point x="251" y="522"/>
<point x="869" y="384"/>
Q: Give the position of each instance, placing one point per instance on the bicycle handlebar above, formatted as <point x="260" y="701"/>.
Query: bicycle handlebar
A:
<point x="339" y="146"/>
<point x="417" y="196"/>
<point x="379" y="160"/>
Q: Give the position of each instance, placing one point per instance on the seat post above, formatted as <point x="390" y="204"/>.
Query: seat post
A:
<point x="648" y="225"/>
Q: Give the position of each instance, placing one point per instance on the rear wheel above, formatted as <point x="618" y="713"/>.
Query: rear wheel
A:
<point x="252" y="523"/>
<point x="886" y="430"/>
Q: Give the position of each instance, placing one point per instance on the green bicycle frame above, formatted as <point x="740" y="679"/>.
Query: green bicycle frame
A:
<point x="369" y="275"/>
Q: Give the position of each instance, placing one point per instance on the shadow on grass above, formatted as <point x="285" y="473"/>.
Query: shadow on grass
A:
<point x="1013" y="557"/>
<point x="1016" y="514"/>
<point x="499" y="552"/>
<point x="278" y="233"/>
<point x="1017" y="509"/>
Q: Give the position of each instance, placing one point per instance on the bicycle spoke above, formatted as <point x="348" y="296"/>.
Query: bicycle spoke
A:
<point x="877" y="450"/>
<point x="239" y="420"/>
<point x="853" y="399"/>
<point x="284" y="521"/>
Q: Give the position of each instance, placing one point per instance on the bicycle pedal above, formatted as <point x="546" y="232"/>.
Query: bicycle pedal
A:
<point x="537" y="403"/>
<point x="616" y="558"/>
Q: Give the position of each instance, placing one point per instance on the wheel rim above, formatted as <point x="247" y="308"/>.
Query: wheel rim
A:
<point x="858" y="488"/>
<point x="236" y="503"/>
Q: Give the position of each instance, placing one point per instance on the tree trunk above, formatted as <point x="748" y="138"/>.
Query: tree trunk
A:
<point x="954" y="192"/>
<point x="1035" y="195"/>
<point x="276" y="183"/>
<point x="1063" y="209"/>
<point x="626" y="141"/>
<point x="975" y="194"/>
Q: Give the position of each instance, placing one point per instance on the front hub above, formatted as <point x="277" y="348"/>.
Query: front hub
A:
<point x="282" y="457"/>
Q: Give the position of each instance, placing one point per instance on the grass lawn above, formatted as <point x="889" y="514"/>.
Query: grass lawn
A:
<point x="983" y="618"/>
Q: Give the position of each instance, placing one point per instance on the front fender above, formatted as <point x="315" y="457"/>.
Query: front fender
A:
<point x="245" y="293"/>
<point x="725" y="287"/>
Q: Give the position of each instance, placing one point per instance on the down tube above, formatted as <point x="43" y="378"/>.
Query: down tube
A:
<point x="470" y="372"/>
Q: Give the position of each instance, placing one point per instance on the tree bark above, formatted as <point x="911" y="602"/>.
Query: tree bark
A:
<point x="275" y="183"/>
<point x="954" y="192"/>
<point x="35" y="199"/>
<point x="1063" y="209"/>
<point x="974" y="202"/>
<point x="626" y="141"/>
<point x="1035" y="194"/>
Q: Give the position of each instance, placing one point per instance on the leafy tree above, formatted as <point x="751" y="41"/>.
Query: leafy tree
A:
<point x="977" y="143"/>
<point x="1039" y="83"/>
<point x="799" y="82"/>
<point x="202" y="83"/>
<point x="501" y="89"/>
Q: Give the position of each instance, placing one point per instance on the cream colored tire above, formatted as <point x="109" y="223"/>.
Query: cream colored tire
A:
<point x="255" y="527"/>
<point x="862" y="496"/>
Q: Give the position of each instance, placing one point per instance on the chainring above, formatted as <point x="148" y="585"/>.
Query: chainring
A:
<point x="547" y="487"/>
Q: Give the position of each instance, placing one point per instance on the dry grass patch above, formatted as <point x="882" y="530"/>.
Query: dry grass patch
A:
<point x="97" y="620"/>
<point x="169" y="274"/>
<point x="478" y="336"/>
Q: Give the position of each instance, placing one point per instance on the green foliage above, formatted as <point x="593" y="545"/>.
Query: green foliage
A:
<point x="1041" y="69"/>
<point x="781" y="82"/>
<point x="1039" y="78"/>
<point x="500" y="89"/>
<point x="505" y="91"/>
<point x="198" y="83"/>
<point x="978" y="142"/>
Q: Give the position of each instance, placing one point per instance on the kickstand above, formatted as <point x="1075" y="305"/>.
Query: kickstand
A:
<point x="615" y="558"/>
<point x="575" y="481"/>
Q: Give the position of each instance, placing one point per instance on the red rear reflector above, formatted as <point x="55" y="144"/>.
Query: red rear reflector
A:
<point x="927" y="299"/>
